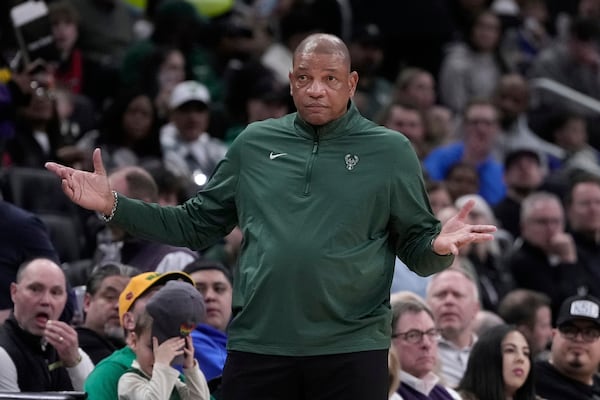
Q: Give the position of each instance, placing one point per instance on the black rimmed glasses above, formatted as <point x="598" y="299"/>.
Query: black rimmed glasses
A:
<point x="571" y="332"/>
<point x="415" y="335"/>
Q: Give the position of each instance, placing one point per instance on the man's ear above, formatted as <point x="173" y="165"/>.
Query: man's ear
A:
<point x="13" y="291"/>
<point x="128" y="321"/>
<point x="87" y="298"/>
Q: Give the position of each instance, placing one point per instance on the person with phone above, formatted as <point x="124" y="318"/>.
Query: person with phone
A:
<point x="160" y="338"/>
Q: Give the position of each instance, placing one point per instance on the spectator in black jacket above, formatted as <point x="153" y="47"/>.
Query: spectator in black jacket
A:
<point x="37" y="351"/>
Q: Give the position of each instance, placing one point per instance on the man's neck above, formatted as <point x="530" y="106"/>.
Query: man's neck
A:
<point x="593" y="235"/>
<point x="461" y="340"/>
<point x="585" y="378"/>
<point x="518" y="193"/>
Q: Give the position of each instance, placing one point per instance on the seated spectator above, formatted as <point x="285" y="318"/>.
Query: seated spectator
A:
<point x="161" y="341"/>
<point x="493" y="278"/>
<point x="64" y="20"/>
<point x="439" y="197"/>
<point x="101" y="333"/>
<point x="500" y="367"/>
<point x="373" y="91"/>
<point x="485" y="320"/>
<point x="23" y="237"/>
<point x="523" y="175"/>
<point x="161" y="70"/>
<point x="572" y="370"/>
<point x="471" y="68"/>
<point x="511" y="97"/>
<point x="524" y="39"/>
<point x="172" y="190"/>
<point x="102" y="383"/>
<point x="38" y="135"/>
<point x="215" y="282"/>
<point x="415" y="339"/>
<point x="439" y="126"/>
<point x="545" y="257"/>
<point x="38" y="352"/>
<point x="409" y="121"/>
<point x="570" y="132"/>
<point x="572" y="62"/>
<point x="462" y="180"/>
<point x="188" y="149"/>
<point x="481" y="130"/>
<point x="115" y="245"/>
<point x="253" y="94"/>
<point x="582" y="207"/>
<point x="415" y="86"/>
<point x="529" y="311"/>
<point x="454" y="300"/>
<point x="129" y="131"/>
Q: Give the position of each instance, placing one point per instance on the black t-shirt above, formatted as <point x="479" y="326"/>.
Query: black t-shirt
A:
<point x="96" y="346"/>
<point x="552" y="385"/>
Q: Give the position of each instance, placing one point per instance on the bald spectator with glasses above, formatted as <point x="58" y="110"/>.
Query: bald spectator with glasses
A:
<point x="415" y="338"/>
<point x="571" y="372"/>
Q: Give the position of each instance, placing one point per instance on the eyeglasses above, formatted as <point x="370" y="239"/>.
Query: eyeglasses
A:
<point x="571" y="332"/>
<point x="415" y="335"/>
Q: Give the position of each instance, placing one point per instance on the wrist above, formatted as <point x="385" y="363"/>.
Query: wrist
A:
<point x="76" y="363"/>
<point x="432" y="246"/>
<point x="107" y="217"/>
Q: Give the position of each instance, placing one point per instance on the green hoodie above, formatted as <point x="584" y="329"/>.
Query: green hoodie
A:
<point x="324" y="211"/>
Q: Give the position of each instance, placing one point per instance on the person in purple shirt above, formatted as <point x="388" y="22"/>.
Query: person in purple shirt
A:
<point x="414" y="337"/>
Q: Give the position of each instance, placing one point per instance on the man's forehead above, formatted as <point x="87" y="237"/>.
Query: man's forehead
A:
<point x="42" y="272"/>
<point x="409" y="319"/>
<point x="326" y="60"/>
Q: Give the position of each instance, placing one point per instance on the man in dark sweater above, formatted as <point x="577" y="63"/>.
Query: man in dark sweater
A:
<point x="571" y="371"/>
<point x="101" y="332"/>
<point x="37" y="352"/>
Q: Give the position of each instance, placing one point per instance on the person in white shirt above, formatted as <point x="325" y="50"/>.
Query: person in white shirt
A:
<point x="188" y="149"/>
<point x="454" y="300"/>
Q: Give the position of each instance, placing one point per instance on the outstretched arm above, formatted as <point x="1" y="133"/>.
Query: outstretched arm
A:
<point x="90" y="190"/>
<point x="456" y="232"/>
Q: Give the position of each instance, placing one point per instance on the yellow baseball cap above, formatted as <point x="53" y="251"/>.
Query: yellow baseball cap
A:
<point x="139" y="284"/>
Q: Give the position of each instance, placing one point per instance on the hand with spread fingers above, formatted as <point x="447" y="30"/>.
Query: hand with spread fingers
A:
<point x="64" y="339"/>
<point x="456" y="232"/>
<point x="90" y="190"/>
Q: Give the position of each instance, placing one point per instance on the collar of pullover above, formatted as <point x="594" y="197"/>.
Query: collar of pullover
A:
<point x="334" y="129"/>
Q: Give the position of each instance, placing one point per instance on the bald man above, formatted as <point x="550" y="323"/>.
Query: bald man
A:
<point x="115" y="245"/>
<point x="325" y="199"/>
<point x="38" y="352"/>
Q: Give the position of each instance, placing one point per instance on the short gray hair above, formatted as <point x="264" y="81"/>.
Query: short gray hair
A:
<point x="408" y="304"/>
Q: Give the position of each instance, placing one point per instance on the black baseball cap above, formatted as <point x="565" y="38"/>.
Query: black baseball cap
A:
<point x="584" y="307"/>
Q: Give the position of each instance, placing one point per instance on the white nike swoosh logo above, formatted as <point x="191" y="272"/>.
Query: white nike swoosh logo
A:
<point x="273" y="156"/>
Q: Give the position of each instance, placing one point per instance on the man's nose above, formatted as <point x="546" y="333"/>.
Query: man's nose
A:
<point x="315" y="87"/>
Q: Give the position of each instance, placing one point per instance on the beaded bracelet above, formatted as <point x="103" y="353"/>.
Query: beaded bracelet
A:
<point x="108" y="218"/>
